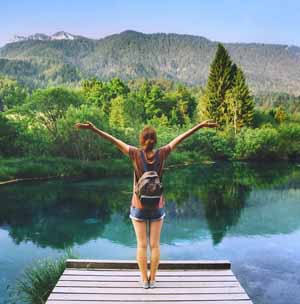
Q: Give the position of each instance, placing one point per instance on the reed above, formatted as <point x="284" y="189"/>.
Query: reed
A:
<point x="38" y="280"/>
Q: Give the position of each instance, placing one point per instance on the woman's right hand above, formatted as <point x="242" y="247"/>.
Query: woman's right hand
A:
<point x="87" y="125"/>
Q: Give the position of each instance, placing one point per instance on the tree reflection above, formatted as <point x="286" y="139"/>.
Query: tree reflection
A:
<point x="215" y="195"/>
<point x="61" y="214"/>
<point x="56" y="214"/>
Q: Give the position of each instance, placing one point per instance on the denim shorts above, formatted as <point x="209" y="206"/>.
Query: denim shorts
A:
<point x="145" y="214"/>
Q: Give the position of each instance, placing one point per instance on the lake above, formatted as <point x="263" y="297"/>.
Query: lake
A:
<point x="246" y="213"/>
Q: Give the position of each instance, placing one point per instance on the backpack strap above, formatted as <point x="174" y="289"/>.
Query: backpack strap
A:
<point x="145" y="164"/>
<point x="156" y="156"/>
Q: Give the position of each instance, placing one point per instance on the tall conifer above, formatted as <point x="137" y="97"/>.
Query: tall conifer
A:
<point x="220" y="80"/>
<point x="239" y="103"/>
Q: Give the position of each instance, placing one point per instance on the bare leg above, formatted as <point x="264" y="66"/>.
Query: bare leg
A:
<point x="155" y="229"/>
<point x="140" y="228"/>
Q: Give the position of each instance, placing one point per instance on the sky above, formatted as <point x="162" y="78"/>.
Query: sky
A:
<point x="264" y="21"/>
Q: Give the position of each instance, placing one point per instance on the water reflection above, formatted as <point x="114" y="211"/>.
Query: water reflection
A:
<point x="199" y="199"/>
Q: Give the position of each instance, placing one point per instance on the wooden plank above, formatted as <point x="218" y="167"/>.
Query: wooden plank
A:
<point x="158" y="274"/>
<point x="136" y="284"/>
<point x="158" y="279"/>
<point x="170" y="290"/>
<point x="148" y="296"/>
<point x="164" y="264"/>
<point x="155" y="302"/>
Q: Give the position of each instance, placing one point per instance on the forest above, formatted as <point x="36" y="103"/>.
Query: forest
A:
<point x="38" y="138"/>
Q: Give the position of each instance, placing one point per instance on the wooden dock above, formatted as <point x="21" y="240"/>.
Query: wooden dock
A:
<point x="180" y="282"/>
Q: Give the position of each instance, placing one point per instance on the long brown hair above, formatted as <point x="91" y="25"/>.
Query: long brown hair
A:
<point x="148" y="138"/>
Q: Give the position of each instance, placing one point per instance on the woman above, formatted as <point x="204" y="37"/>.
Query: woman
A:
<point x="146" y="158"/>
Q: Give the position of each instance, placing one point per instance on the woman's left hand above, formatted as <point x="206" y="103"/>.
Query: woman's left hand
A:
<point x="209" y="123"/>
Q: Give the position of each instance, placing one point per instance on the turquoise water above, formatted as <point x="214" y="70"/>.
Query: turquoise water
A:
<point x="249" y="214"/>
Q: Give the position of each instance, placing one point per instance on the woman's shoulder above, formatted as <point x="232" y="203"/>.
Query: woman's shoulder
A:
<point x="165" y="150"/>
<point x="132" y="152"/>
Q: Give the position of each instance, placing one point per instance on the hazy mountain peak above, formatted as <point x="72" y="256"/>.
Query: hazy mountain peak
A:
<point x="63" y="35"/>
<point x="43" y="37"/>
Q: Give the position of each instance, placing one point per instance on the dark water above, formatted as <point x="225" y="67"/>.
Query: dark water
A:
<point x="249" y="214"/>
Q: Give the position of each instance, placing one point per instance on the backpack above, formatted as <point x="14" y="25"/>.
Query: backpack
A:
<point x="149" y="187"/>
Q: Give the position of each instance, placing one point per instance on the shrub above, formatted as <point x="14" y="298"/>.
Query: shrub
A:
<point x="83" y="144"/>
<point x="262" y="117"/>
<point x="257" y="144"/>
<point x="290" y="140"/>
<point x="8" y="135"/>
<point x="212" y="143"/>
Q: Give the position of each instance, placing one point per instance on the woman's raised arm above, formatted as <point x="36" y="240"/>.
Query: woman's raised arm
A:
<point x="119" y="143"/>
<point x="205" y="124"/>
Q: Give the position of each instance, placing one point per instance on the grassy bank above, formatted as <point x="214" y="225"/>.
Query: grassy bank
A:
<point x="58" y="167"/>
<point x="28" y="167"/>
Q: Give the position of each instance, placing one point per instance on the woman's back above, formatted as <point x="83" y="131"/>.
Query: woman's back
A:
<point x="136" y="156"/>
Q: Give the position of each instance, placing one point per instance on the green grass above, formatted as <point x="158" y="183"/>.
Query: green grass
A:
<point x="28" y="167"/>
<point x="32" y="167"/>
<point x="38" y="280"/>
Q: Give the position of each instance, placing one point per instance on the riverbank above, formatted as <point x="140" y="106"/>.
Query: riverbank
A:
<point x="13" y="170"/>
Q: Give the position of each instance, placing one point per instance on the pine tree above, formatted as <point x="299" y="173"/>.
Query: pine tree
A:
<point x="280" y="114"/>
<point x="239" y="103"/>
<point x="220" y="80"/>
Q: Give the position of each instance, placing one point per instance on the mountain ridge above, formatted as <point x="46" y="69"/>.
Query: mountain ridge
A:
<point x="125" y="32"/>
<point x="131" y="54"/>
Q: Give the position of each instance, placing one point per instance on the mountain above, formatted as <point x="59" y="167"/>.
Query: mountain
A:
<point x="42" y="60"/>
<point x="39" y="36"/>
